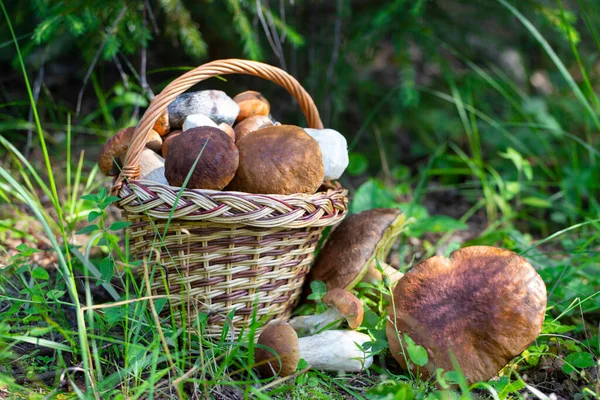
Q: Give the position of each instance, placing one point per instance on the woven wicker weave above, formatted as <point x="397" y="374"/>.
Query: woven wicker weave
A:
<point x="225" y="251"/>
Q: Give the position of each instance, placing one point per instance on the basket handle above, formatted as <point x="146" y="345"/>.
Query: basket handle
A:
<point x="131" y="169"/>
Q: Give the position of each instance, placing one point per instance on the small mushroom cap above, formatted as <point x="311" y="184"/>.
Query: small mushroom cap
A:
<point x="278" y="160"/>
<point x="485" y="305"/>
<point x="162" y="124"/>
<point x="228" y="130"/>
<point x="283" y="340"/>
<point x="347" y="305"/>
<point x="196" y="120"/>
<point x="354" y="245"/>
<point x="112" y="149"/>
<point x="154" y="141"/>
<point x="334" y="148"/>
<point x="251" y="124"/>
<point x="251" y="103"/>
<point x="217" y="159"/>
<point x="167" y="141"/>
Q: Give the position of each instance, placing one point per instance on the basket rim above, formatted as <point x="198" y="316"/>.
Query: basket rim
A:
<point x="299" y="210"/>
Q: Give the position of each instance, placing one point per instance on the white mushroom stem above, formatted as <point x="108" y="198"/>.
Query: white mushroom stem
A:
<point x="152" y="167"/>
<point x="305" y="325"/>
<point x="335" y="351"/>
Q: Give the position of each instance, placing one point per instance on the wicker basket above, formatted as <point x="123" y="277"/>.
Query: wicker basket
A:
<point x="225" y="252"/>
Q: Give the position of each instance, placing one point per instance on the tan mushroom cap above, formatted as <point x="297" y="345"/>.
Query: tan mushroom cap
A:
<point x="162" y="124"/>
<point x="251" y="103"/>
<point x="154" y="141"/>
<point x="485" y="305"/>
<point x="278" y="160"/>
<point x="354" y="245"/>
<point x="216" y="154"/>
<point x="347" y="305"/>
<point x="283" y="340"/>
<point x="251" y="124"/>
<point x="167" y="141"/>
<point x="227" y="129"/>
<point x="116" y="147"/>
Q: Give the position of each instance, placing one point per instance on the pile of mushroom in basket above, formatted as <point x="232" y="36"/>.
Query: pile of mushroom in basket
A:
<point x="227" y="206"/>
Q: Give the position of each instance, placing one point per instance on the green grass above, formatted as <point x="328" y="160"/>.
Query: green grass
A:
<point x="533" y="184"/>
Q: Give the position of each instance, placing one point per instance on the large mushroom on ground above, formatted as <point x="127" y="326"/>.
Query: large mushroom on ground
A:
<point x="208" y="152"/>
<point x="334" y="351"/>
<point x="484" y="306"/>
<point x="341" y="305"/>
<point x="354" y="248"/>
<point x="112" y="153"/>
<point x="278" y="160"/>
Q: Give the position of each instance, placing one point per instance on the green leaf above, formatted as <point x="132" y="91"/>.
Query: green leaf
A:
<point x="118" y="225"/>
<point x="436" y="224"/>
<point x="372" y="194"/>
<point x="579" y="360"/>
<point x="399" y="391"/>
<point x="55" y="294"/>
<point x="536" y="202"/>
<point x="93" y="215"/>
<point x="87" y="229"/>
<point x="40" y="273"/>
<point x="358" y="164"/>
<point x="26" y="251"/>
<point x="90" y="197"/>
<point x="107" y="269"/>
<point x="416" y="353"/>
<point x="318" y="289"/>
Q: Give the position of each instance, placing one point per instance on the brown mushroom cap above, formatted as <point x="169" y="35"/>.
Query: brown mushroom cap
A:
<point x="283" y="340"/>
<point x="278" y="160"/>
<point x="167" y="141"/>
<point x="347" y="305"/>
<point x="162" y="124"/>
<point x="485" y="305"/>
<point x="112" y="149"/>
<point x="354" y="245"/>
<point x="216" y="153"/>
<point x="154" y="141"/>
<point x="227" y="129"/>
<point x="251" y="124"/>
<point x="251" y="103"/>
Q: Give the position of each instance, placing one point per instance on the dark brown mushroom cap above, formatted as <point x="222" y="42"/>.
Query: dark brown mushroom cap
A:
<point x="485" y="305"/>
<point x="353" y="246"/>
<point x="283" y="340"/>
<point x="216" y="153"/>
<point x="278" y="160"/>
<point x="347" y="305"/>
<point x="167" y="141"/>
<point x="112" y="149"/>
<point x="251" y="103"/>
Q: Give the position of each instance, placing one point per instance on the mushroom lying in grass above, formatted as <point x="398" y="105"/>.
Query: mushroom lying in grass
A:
<point x="334" y="351"/>
<point x="484" y="306"/>
<point x="341" y="305"/>
<point x="354" y="248"/>
<point x="110" y="157"/>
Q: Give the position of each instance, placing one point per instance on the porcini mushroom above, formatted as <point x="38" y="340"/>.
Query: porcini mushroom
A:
<point x="341" y="305"/>
<point x="216" y="154"/>
<point x="215" y="104"/>
<point x="278" y="160"/>
<point x="251" y="124"/>
<point x="167" y="140"/>
<point x="152" y="167"/>
<point x="334" y="351"/>
<point x="354" y="248"/>
<point x="196" y="120"/>
<point x="251" y="103"/>
<point x="334" y="149"/>
<point x="228" y="130"/>
<point x="484" y="306"/>
<point x="115" y="148"/>
<point x="162" y="124"/>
